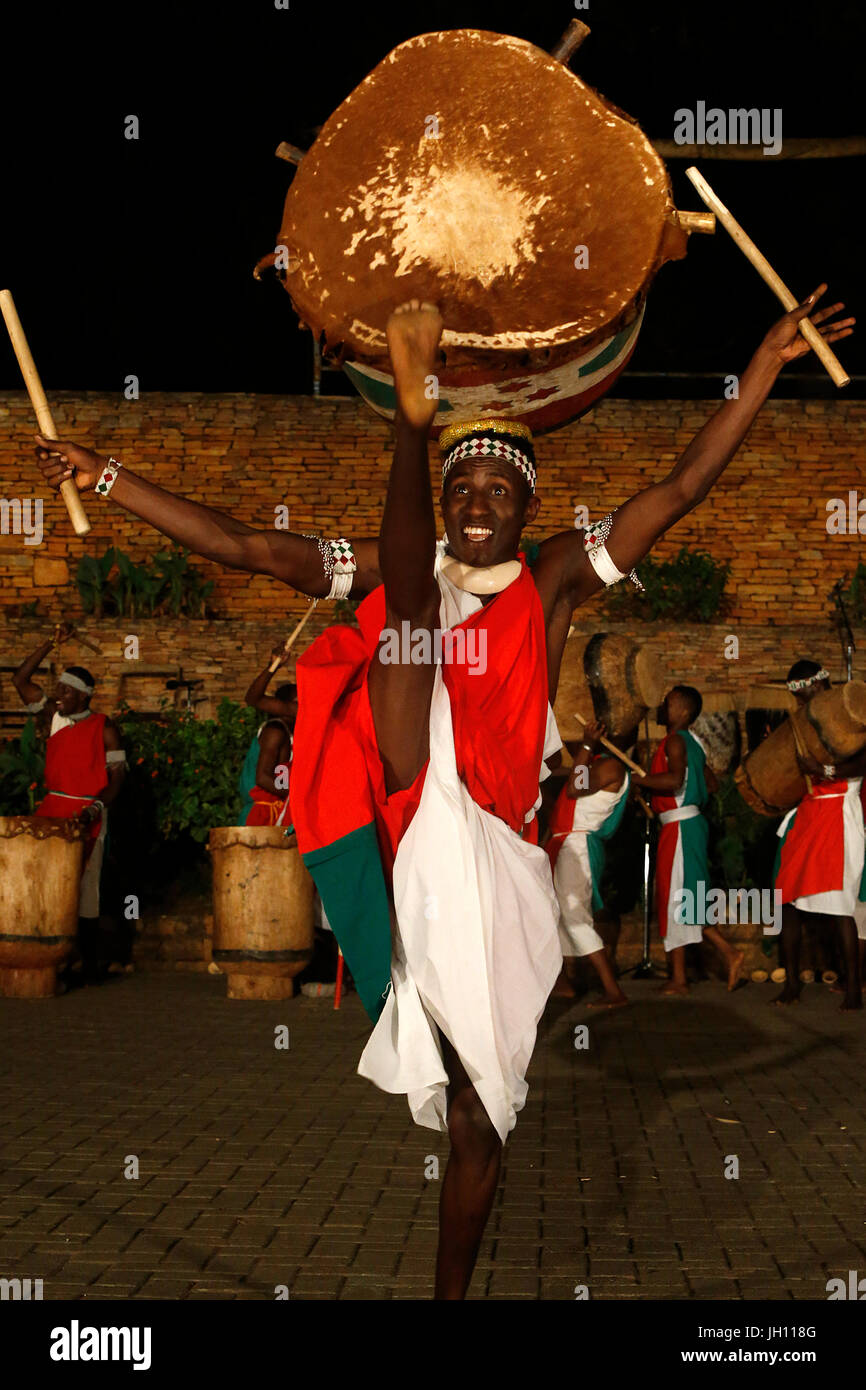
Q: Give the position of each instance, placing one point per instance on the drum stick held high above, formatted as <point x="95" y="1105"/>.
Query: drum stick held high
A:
<point x="68" y="490"/>
<point x="635" y="767"/>
<point x="617" y="752"/>
<point x="278" y="660"/>
<point x="821" y="348"/>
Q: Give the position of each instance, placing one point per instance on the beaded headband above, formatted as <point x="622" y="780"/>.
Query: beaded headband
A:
<point x="478" y="439"/>
<point x="76" y="682"/>
<point x="795" y="686"/>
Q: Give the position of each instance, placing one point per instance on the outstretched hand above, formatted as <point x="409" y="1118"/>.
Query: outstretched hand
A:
<point x="59" y="460"/>
<point x="786" y="341"/>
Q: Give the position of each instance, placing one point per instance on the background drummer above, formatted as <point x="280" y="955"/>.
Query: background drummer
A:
<point x="270" y="751"/>
<point x="84" y="770"/>
<point x="819" y="864"/>
<point x="680" y="781"/>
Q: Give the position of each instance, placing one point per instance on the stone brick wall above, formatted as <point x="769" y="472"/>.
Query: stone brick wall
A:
<point x="328" y="461"/>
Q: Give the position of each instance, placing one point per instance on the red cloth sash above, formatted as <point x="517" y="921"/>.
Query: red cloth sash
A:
<point x="267" y="809"/>
<point x="75" y="766"/>
<point x="499" y="717"/>
<point x="561" y="823"/>
<point x="812" y="860"/>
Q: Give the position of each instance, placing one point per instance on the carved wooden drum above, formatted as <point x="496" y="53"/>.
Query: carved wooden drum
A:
<point x="832" y="728"/>
<point x="473" y="170"/>
<point x="263" y="910"/>
<point x="40" y="880"/>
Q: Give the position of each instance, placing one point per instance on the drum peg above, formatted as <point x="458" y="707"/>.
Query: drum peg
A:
<point x="290" y="153"/>
<point x="697" y="221"/>
<point x="570" y="42"/>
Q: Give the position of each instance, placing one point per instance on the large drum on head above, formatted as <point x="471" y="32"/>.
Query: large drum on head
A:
<point x="832" y="727"/>
<point x="474" y="170"/>
<point x="607" y="677"/>
<point x="263" y="910"/>
<point x="40" y="880"/>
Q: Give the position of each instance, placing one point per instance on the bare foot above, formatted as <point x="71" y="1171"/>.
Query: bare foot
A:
<point x="735" y="969"/>
<point x="563" y="989"/>
<point x="414" y="330"/>
<point x="608" y="1002"/>
<point x="672" y="988"/>
<point x="788" y="996"/>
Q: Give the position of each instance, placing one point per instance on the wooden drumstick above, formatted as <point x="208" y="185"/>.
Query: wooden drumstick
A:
<point x="278" y="660"/>
<point x="617" y="752"/>
<point x="68" y="490"/>
<point x="821" y="348"/>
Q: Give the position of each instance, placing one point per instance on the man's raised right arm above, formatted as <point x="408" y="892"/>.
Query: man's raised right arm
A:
<point x="293" y="559"/>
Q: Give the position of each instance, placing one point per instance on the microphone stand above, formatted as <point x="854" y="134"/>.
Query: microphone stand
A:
<point x="645" y="970"/>
<point x="849" y="646"/>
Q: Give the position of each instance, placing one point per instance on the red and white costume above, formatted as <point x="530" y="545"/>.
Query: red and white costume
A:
<point x="821" y="858"/>
<point x="75" y="774"/>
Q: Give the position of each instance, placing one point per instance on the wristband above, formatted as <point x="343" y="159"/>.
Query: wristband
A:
<point x="108" y="477"/>
<point x="829" y="771"/>
<point x="587" y="746"/>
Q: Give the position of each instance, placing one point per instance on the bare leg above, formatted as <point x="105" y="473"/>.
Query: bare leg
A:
<point x="791" y="935"/>
<point x="850" y="950"/>
<point x="564" y="986"/>
<point x="677" y="984"/>
<point x="733" y="957"/>
<point x="469" y="1185"/>
<point x="400" y="693"/>
<point x="613" y="995"/>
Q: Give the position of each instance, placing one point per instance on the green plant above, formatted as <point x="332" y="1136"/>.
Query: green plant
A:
<point x="344" y="610"/>
<point x="115" y="585"/>
<point x="855" y="595"/>
<point x="22" y="768"/>
<point x="185" y="770"/>
<point x="688" y="588"/>
<point x="91" y="579"/>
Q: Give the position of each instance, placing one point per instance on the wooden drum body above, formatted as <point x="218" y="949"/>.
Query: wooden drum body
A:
<point x="40" y="881"/>
<point x="263" y="910"/>
<point x="832" y="727"/>
<point x="718" y="728"/>
<point x="608" y="677"/>
<point x="473" y="170"/>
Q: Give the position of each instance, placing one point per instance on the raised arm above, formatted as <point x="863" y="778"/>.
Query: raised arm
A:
<point x="29" y="691"/>
<point x="644" y="518"/>
<point x="291" y="558"/>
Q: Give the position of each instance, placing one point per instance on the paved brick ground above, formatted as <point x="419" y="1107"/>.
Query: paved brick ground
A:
<point x="261" y="1167"/>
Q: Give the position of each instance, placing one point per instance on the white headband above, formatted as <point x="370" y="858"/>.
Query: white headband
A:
<point x="76" y="682"/>
<point x="795" y="686"/>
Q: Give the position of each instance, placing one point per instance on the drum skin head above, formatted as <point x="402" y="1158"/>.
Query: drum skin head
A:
<point x="468" y="169"/>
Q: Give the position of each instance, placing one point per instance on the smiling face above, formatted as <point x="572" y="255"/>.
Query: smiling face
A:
<point x="485" y="505"/>
<point x="69" y="700"/>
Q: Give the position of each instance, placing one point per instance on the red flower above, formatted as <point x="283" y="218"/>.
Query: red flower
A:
<point x="154" y="774"/>
<point x="31" y="787"/>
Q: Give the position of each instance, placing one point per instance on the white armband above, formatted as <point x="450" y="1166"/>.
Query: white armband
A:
<point x="115" y="755"/>
<point x="594" y="537"/>
<point x="37" y="706"/>
<point x="342" y="568"/>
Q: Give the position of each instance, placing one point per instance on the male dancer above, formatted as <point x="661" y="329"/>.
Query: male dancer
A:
<point x="391" y="717"/>
<point x="587" y="813"/>
<point x="819" y="864"/>
<point x="269" y="756"/>
<point x="681" y="779"/>
<point x="84" y="770"/>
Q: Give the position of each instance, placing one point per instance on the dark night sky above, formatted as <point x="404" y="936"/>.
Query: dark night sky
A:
<point x="136" y="257"/>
